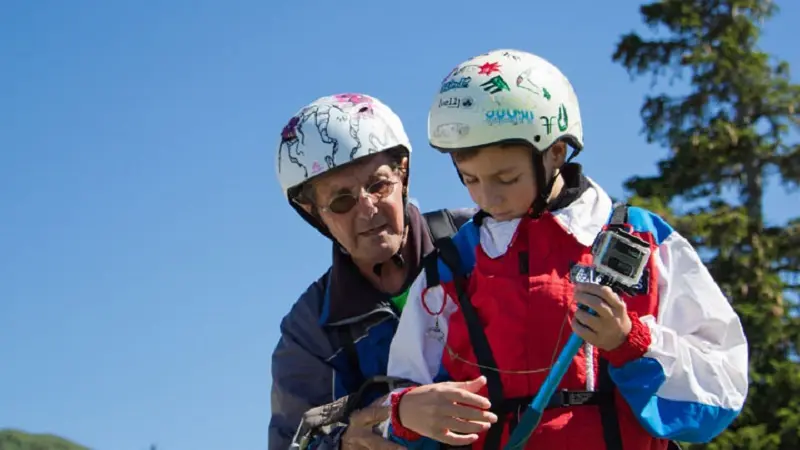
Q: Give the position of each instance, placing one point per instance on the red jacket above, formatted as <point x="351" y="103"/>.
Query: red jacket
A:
<point x="681" y="374"/>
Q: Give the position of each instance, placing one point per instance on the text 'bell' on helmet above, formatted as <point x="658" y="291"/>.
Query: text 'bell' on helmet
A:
<point x="504" y="95"/>
<point x="333" y="131"/>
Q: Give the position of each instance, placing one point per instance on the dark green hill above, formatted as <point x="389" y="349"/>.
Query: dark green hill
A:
<point x="20" y="440"/>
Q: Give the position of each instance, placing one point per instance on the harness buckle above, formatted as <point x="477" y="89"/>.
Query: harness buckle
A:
<point x="565" y="398"/>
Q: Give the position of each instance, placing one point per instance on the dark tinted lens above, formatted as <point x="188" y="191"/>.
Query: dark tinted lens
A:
<point x="342" y="204"/>
<point x="381" y="188"/>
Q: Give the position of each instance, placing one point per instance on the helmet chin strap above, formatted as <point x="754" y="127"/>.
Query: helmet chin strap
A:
<point x="397" y="258"/>
<point x="545" y="188"/>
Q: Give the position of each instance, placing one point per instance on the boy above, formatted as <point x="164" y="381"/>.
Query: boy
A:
<point x="666" y="361"/>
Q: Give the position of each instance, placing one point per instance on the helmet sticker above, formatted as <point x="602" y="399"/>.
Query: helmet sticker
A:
<point x="489" y="68"/>
<point x="511" y="55"/>
<point x="524" y="82"/>
<point x="318" y="116"/>
<point x="510" y="116"/>
<point x="495" y="85"/>
<point x="562" y="120"/>
<point x="450" y="130"/>
<point x="377" y="143"/>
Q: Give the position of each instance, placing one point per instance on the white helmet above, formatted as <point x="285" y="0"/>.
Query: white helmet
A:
<point x="331" y="132"/>
<point x="505" y="95"/>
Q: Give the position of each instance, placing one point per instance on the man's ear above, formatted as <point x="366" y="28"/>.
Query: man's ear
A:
<point x="312" y="211"/>
<point x="404" y="171"/>
<point x="306" y="207"/>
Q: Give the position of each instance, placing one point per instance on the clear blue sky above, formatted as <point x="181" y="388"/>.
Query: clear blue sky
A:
<point x="146" y="252"/>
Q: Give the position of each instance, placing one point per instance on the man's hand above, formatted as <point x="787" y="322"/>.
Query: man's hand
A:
<point x="359" y="434"/>
<point x="610" y="327"/>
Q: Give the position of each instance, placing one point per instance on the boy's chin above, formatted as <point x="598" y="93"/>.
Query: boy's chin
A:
<point x="505" y="216"/>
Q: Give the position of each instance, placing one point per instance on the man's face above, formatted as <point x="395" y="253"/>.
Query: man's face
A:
<point x="362" y="206"/>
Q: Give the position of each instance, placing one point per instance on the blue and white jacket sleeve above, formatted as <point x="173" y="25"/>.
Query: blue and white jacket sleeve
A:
<point x="691" y="381"/>
<point x="417" y="348"/>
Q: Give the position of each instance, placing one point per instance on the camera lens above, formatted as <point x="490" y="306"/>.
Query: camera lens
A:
<point x="617" y="265"/>
<point x="627" y="250"/>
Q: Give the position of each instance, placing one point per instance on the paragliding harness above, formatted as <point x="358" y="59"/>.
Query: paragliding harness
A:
<point x="508" y="409"/>
<point x="326" y="420"/>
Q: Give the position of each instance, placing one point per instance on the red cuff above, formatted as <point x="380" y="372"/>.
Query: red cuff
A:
<point x="397" y="428"/>
<point x="635" y="345"/>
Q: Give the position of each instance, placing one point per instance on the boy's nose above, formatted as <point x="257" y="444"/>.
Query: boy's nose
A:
<point x="491" y="197"/>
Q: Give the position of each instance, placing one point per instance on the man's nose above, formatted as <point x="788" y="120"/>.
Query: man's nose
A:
<point x="366" y="205"/>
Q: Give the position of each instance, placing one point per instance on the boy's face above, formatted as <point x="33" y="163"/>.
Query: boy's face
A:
<point x="500" y="180"/>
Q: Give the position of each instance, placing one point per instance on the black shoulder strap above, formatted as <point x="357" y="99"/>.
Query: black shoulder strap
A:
<point x="441" y="224"/>
<point x="608" y="410"/>
<point x="619" y="216"/>
<point x="347" y="341"/>
<point x="448" y="252"/>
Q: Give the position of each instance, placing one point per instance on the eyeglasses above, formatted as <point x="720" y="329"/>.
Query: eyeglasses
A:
<point x="343" y="203"/>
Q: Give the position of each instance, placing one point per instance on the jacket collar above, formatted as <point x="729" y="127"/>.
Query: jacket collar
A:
<point x="350" y="296"/>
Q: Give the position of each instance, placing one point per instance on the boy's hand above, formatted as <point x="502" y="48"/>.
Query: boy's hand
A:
<point x="449" y="412"/>
<point x="610" y="327"/>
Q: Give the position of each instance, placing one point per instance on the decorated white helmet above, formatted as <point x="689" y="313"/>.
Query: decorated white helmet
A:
<point x="501" y="96"/>
<point x="331" y="132"/>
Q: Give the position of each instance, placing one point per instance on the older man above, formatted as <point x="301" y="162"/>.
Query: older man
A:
<point x="343" y="163"/>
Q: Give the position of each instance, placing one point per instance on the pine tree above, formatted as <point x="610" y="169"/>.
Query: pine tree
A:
<point x="727" y="137"/>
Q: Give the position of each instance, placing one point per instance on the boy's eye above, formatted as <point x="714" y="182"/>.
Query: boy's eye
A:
<point x="511" y="181"/>
<point x="470" y="180"/>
